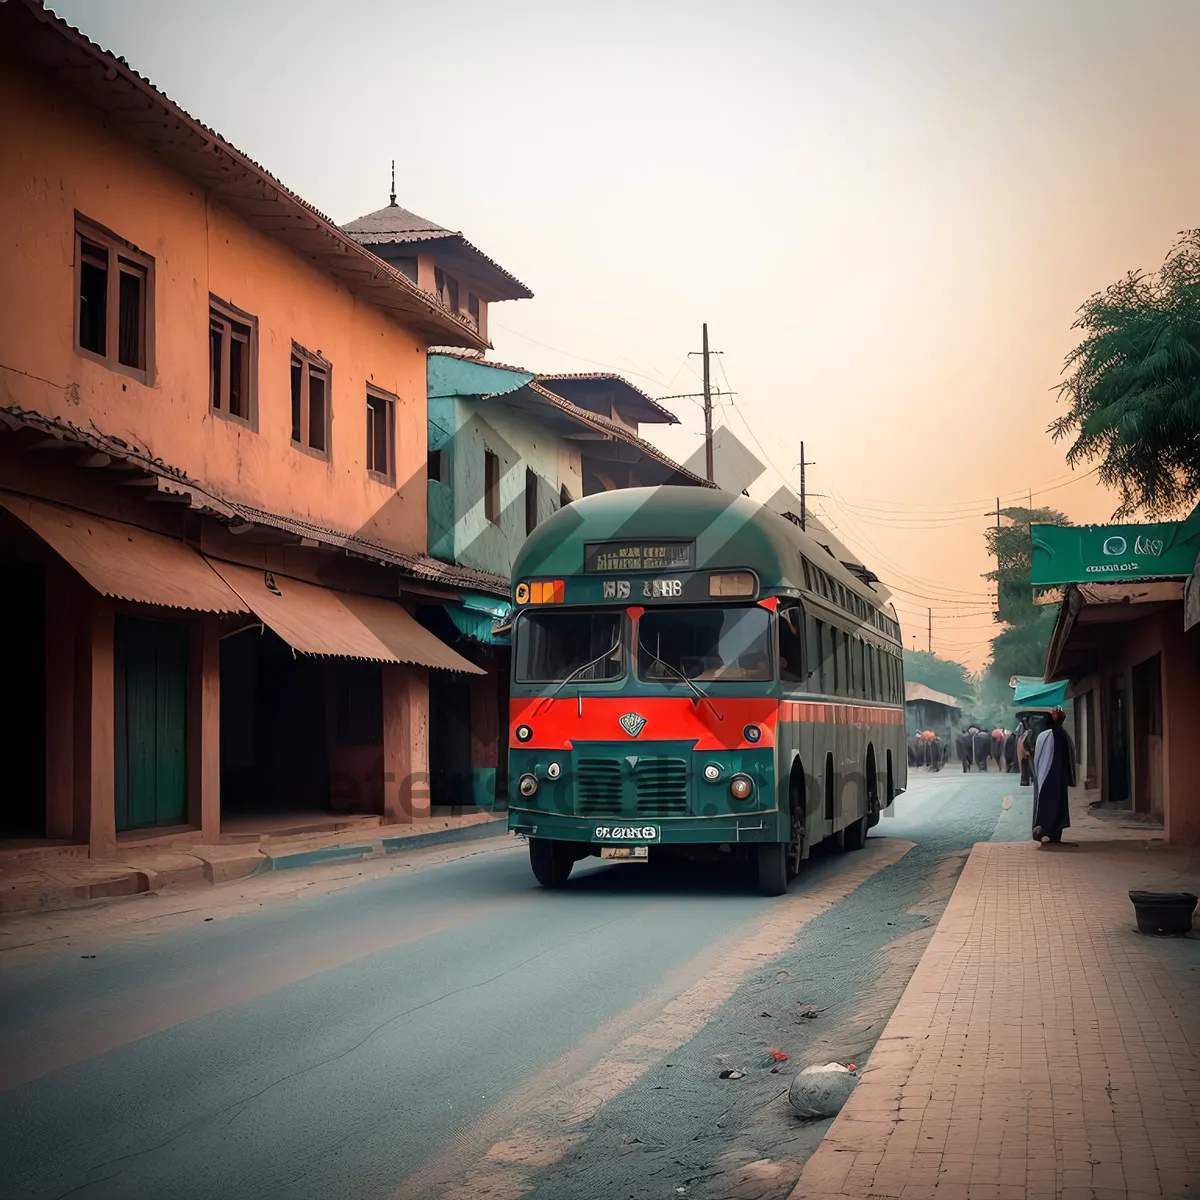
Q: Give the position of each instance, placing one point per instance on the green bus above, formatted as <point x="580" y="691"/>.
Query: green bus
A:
<point x="692" y="673"/>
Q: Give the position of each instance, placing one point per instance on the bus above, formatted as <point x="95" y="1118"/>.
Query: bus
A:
<point x="694" y="674"/>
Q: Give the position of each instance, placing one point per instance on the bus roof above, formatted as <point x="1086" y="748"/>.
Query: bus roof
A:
<point x="730" y="531"/>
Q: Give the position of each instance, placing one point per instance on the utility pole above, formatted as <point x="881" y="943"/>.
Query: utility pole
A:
<point x="708" y="395"/>
<point x="708" y="447"/>
<point x="930" y="630"/>
<point x="803" y="489"/>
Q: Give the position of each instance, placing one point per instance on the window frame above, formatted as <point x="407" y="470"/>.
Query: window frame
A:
<point x="229" y="315"/>
<point x="115" y="248"/>
<point x="798" y="676"/>
<point x="532" y="488"/>
<point x="378" y="395"/>
<point x="438" y="456"/>
<point x="310" y="360"/>
<point x="491" y="486"/>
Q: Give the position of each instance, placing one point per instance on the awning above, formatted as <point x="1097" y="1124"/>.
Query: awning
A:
<point x="481" y="618"/>
<point x="318" y="620"/>
<point x="1033" y="693"/>
<point x="126" y="561"/>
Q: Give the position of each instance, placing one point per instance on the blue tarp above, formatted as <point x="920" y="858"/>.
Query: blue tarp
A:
<point x="477" y="616"/>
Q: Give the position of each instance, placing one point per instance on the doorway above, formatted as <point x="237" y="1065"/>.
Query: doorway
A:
<point x="449" y="740"/>
<point x="149" y="698"/>
<point x="1147" y="736"/>
<point x="1117" y="742"/>
<point x="23" y="701"/>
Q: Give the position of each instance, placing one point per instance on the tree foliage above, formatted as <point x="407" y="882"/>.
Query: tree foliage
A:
<point x="1133" y="385"/>
<point x="1010" y="546"/>
<point x="941" y="674"/>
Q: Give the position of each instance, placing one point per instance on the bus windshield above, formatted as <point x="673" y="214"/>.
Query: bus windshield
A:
<point x="550" y="646"/>
<point x="726" y="644"/>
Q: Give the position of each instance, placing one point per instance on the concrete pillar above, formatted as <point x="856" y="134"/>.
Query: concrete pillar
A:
<point x="60" y="705"/>
<point x="204" y="728"/>
<point x="405" y="743"/>
<point x="94" y="818"/>
<point x="1181" y="719"/>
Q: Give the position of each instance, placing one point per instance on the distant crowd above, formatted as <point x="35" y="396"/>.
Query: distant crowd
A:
<point x="1010" y="750"/>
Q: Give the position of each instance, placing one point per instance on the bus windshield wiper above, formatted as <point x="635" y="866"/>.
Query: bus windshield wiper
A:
<point x="691" y="684"/>
<point x="575" y="674"/>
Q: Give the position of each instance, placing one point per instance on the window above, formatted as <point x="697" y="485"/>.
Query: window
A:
<point x="473" y="308"/>
<point x="860" y="668"/>
<point x="310" y="401"/>
<point x="381" y="435"/>
<point x="845" y="665"/>
<point x="813" y="630"/>
<point x="114" y="287"/>
<point x="837" y="662"/>
<point x="791" y="644"/>
<point x="531" y="501"/>
<point x="447" y="289"/>
<point x="406" y="266"/>
<point x="491" y="487"/>
<point x="564" y="497"/>
<point x="232" y="361"/>
<point x="807" y="578"/>
<point x="706" y="644"/>
<point x="436" y="466"/>
<point x="549" y="646"/>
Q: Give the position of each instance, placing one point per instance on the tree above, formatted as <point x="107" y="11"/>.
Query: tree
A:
<point x="1133" y="387"/>
<point x="1019" y="649"/>
<point x="941" y="674"/>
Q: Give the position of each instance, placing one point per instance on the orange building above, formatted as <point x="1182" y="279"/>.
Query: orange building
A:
<point x="212" y="475"/>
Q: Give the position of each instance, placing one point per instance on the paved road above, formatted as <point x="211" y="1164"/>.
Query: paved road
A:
<point x="447" y="1029"/>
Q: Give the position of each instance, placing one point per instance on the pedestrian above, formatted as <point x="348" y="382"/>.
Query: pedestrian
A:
<point x="1053" y="775"/>
<point x="1024" y="759"/>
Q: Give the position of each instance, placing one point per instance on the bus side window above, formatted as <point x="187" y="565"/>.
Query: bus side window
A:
<point x="791" y="644"/>
<point x="846" y="690"/>
<point x="875" y="695"/>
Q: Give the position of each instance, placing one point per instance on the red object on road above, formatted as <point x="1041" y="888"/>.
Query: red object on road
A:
<point x="778" y="1055"/>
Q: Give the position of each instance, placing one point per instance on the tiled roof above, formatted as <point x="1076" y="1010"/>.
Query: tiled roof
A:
<point x="177" y="483"/>
<point x="133" y="108"/>
<point x="645" y="408"/>
<point x="618" y="432"/>
<point x="393" y="225"/>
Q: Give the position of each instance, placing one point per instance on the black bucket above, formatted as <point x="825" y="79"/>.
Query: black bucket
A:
<point x="1164" y="913"/>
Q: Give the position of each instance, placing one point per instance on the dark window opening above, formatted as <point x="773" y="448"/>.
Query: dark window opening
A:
<point x="93" y="296"/>
<point x="473" y="308"/>
<point x="132" y="324"/>
<point x="380" y="435"/>
<point x="531" y="501"/>
<point x="791" y="644"/>
<point x="406" y="266"/>
<point x="316" y="409"/>
<point x="564" y="496"/>
<point x="436" y="466"/>
<point x="491" y="487"/>
<point x="297" y="387"/>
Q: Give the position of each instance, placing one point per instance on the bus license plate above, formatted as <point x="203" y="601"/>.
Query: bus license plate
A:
<point x="628" y="853"/>
<point x="625" y="833"/>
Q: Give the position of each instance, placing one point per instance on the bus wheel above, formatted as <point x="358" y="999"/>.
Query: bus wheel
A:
<point x="856" y="834"/>
<point x="551" y="862"/>
<point x="772" y="868"/>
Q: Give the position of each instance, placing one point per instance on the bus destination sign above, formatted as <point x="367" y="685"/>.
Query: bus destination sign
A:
<point x="616" y="557"/>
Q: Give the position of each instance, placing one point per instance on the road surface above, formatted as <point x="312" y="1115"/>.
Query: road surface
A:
<point x="446" y="1028"/>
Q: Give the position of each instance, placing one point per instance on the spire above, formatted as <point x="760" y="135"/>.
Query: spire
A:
<point x="392" y="201"/>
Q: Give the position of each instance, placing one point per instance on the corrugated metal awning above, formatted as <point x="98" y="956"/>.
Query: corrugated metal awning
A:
<point x="318" y="620"/>
<point x="127" y="561"/>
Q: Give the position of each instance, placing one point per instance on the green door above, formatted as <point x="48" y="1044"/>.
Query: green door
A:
<point x="150" y="681"/>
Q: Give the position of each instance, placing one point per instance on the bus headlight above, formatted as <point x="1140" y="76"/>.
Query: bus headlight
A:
<point x="712" y="772"/>
<point x="524" y="733"/>
<point x="553" y="771"/>
<point x="752" y="733"/>
<point x="740" y="787"/>
<point x="528" y="785"/>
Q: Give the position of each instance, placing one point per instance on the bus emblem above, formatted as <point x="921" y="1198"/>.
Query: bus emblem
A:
<point x="633" y="723"/>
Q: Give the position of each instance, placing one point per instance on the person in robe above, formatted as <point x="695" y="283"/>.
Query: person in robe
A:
<point x="962" y="743"/>
<point x="1024" y="758"/>
<point x="1053" y="775"/>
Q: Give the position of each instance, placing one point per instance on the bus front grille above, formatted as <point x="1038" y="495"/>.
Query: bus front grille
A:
<point x="662" y="787"/>
<point x="598" y="787"/>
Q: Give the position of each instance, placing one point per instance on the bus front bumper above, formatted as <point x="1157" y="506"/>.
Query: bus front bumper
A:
<point x="737" y="828"/>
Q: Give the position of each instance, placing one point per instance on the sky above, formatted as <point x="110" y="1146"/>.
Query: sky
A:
<point x="887" y="211"/>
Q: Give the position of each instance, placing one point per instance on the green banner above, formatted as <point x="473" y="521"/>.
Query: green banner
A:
<point x="1096" y="553"/>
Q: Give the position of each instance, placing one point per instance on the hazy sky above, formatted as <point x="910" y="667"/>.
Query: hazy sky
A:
<point x="887" y="211"/>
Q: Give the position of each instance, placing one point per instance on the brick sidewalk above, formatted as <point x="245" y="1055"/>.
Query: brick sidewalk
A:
<point x="1042" y="1048"/>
